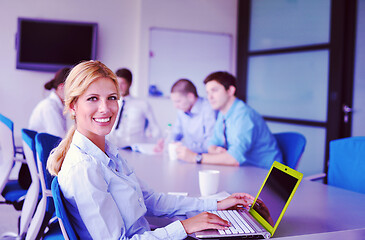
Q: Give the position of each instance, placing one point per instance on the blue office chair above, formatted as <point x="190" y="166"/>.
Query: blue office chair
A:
<point x="346" y="165"/>
<point x="292" y="146"/>
<point x="17" y="149"/>
<point x="11" y="190"/>
<point x="33" y="194"/>
<point x="45" y="143"/>
<point x="61" y="212"/>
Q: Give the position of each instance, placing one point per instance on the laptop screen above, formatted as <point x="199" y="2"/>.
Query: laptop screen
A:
<point x="274" y="195"/>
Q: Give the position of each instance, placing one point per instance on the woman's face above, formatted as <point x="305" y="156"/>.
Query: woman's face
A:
<point x="96" y="109"/>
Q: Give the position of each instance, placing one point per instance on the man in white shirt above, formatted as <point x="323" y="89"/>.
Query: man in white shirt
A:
<point x="135" y="119"/>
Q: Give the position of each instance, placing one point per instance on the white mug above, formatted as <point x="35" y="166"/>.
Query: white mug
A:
<point x="208" y="182"/>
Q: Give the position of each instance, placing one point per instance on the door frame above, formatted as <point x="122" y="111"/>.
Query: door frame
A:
<point x="341" y="49"/>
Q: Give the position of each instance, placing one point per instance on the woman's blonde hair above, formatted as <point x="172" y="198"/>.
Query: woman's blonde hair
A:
<point x="79" y="79"/>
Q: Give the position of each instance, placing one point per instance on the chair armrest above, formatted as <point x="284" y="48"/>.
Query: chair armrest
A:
<point x="315" y="177"/>
<point x="22" y="160"/>
<point x="19" y="151"/>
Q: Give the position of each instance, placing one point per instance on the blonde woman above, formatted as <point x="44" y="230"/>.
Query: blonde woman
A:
<point x="103" y="195"/>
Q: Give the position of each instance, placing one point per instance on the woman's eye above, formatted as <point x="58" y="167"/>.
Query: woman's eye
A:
<point x="92" y="99"/>
<point x="113" y="98"/>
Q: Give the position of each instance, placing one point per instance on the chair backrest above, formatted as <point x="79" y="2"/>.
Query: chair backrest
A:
<point x="45" y="143"/>
<point x="10" y="135"/>
<point x="292" y="146"/>
<point x="32" y="196"/>
<point x="6" y="149"/>
<point x="347" y="164"/>
<point x="61" y="212"/>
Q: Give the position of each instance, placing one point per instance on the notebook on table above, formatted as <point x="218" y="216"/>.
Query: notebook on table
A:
<point x="265" y="214"/>
<point x="145" y="148"/>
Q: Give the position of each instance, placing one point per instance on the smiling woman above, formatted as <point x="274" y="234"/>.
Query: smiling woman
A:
<point x="95" y="87"/>
<point x="96" y="110"/>
<point x="103" y="196"/>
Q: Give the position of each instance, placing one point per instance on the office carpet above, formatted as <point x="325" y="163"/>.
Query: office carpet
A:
<point x="8" y="218"/>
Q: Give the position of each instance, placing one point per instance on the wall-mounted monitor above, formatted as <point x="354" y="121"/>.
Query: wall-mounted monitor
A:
<point x="48" y="45"/>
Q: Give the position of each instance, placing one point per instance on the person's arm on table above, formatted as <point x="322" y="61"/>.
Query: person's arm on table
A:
<point x="159" y="204"/>
<point x="100" y="213"/>
<point x="207" y="220"/>
<point x="216" y="149"/>
<point x="215" y="155"/>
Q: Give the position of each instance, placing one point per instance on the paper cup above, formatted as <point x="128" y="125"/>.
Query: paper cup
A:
<point x="208" y="182"/>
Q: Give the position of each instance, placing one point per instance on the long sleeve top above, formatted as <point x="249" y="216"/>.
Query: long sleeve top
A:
<point x="248" y="137"/>
<point x="195" y="127"/>
<point x="108" y="201"/>
<point x="48" y="116"/>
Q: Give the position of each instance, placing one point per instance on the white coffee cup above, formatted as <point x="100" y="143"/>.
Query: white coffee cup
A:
<point x="208" y="182"/>
<point x="172" y="151"/>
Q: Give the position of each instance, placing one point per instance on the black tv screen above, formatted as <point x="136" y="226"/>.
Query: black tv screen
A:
<point x="48" y="45"/>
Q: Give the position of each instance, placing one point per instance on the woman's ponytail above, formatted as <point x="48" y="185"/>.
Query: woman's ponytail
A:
<point x="55" y="159"/>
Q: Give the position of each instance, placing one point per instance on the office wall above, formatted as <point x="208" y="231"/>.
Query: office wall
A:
<point x="203" y="15"/>
<point x="123" y="41"/>
<point x="21" y="90"/>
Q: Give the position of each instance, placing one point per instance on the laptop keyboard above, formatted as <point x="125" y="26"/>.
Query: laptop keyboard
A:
<point x="239" y="225"/>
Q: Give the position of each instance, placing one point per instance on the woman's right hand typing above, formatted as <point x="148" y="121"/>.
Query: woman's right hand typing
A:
<point x="204" y="221"/>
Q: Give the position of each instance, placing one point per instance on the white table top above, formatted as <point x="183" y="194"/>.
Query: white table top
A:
<point x="315" y="208"/>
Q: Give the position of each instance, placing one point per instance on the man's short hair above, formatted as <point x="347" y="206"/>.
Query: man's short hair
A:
<point x="184" y="86"/>
<point x="125" y="73"/>
<point x="224" y="78"/>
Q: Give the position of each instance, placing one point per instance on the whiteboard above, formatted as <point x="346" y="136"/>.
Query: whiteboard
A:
<point x="176" y="54"/>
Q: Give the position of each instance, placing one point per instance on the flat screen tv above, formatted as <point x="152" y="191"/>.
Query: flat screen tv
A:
<point x="48" y="45"/>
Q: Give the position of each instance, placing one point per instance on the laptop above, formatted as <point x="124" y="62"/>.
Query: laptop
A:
<point x="267" y="210"/>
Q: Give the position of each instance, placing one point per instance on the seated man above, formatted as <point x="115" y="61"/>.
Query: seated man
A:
<point x="195" y="117"/>
<point x="240" y="136"/>
<point x="135" y="120"/>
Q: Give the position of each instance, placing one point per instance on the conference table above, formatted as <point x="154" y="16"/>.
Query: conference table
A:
<point x="317" y="211"/>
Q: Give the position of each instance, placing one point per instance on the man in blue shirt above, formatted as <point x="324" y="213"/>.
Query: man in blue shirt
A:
<point x="240" y="136"/>
<point x="195" y="117"/>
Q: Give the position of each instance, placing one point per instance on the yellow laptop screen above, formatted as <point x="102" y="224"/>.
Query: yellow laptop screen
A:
<point x="275" y="195"/>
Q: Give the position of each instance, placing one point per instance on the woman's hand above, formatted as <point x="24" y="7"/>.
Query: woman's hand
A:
<point x="236" y="201"/>
<point x="204" y="221"/>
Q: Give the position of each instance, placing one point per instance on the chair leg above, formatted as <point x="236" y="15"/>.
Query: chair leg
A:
<point x="19" y="225"/>
<point x="44" y="225"/>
